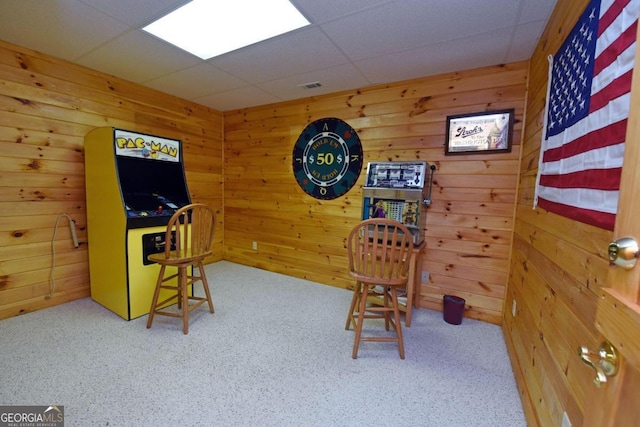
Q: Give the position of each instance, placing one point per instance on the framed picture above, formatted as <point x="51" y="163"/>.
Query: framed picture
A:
<point x="486" y="132"/>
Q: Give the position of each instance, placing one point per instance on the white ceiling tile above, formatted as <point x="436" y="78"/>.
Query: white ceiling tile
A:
<point x="195" y="82"/>
<point x="138" y="57"/>
<point x="328" y="10"/>
<point x="522" y="44"/>
<point x="538" y="10"/>
<point x="439" y="58"/>
<point x="244" y="97"/>
<point x="350" y="44"/>
<point x="137" y="13"/>
<point x="333" y="79"/>
<point x="64" y="29"/>
<point x="298" y="52"/>
<point x="409" y="24"/>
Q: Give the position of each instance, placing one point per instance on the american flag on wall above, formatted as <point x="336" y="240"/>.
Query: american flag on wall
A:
<point x="586" y="115"/>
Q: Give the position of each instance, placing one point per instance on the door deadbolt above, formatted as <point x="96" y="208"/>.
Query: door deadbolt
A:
<point x="623" y="252"/>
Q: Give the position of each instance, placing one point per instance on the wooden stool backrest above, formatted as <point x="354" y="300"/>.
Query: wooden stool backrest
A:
<point x="191" y="229"/>
<point x="380" y="251"/>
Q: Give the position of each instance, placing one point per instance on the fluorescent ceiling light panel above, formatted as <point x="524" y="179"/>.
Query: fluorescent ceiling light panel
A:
<point x="209" y="28"/>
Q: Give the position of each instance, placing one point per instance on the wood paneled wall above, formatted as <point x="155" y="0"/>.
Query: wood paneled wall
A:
<point x="469" y="225"/>
<point x="556" y="265"/>
<point x="557" y="268"/>
<point x="46" y="108"/>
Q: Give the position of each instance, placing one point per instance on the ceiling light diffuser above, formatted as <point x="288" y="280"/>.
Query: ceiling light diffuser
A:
<point x="208" y="28"/>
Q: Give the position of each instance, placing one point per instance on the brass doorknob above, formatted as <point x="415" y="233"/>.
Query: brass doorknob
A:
<point x="606" y="364"/>
<point x="623" y="252"/>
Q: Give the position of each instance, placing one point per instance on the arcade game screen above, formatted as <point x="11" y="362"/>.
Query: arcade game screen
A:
<point x="151" y="187"/>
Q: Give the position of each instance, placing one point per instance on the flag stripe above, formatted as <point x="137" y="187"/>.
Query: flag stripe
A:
<point x="620" y="44"/>
<point x="588" y="216"/>
<point x="613" y="112"/>
<point x="619" y="87"/>
<point x="624" y="62"/>
<point x="612" y="9"/>
<point x="584" y="198"/>
<point x="609" y="135"/>
<point x="610" y="156"/>
<point x="596" y="179"/>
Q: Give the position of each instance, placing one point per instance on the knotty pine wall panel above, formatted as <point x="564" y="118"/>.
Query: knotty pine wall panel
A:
<point x="46" y="108"/>
<point x="557" y="268"/>
<point x="469" y="225"/>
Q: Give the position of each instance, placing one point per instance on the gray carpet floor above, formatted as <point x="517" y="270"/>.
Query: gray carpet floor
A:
<point x="275" y="353"/>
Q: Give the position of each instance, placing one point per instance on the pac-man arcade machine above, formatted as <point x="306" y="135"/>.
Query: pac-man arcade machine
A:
<point x="134" y="183"/>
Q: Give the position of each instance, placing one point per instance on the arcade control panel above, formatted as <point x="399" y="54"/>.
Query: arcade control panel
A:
<point x="148" y="210"/>
<point x="159" y="211"/>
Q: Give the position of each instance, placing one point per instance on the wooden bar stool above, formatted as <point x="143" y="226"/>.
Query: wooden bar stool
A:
<point x="191" y="230"/>
<point x="379" y="257"/>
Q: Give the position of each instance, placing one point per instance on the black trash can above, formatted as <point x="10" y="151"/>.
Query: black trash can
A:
<point x="453" y="308"/>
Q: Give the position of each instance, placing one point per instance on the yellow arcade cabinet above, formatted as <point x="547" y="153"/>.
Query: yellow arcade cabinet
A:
<point x="134" y="183"/>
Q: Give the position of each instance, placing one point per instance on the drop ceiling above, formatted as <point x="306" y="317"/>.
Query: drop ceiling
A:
<point x="349" y="44"/>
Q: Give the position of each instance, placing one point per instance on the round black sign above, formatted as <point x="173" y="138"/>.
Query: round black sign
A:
<point x="327" y="158"/>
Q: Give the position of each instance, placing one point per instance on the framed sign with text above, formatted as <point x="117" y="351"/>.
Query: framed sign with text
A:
<point x="485" y="132"/>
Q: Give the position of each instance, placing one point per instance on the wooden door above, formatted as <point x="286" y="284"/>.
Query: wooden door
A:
<point x="617" y="402"/>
